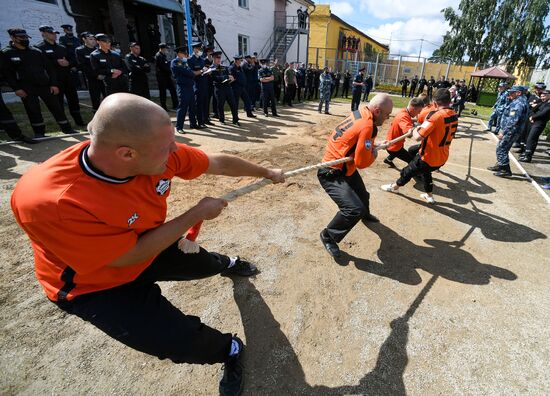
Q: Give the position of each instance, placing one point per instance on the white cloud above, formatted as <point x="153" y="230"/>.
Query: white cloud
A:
<point x="341" y="8"/>
<point x="406" y="35"/>
<point x="404" y="8"/>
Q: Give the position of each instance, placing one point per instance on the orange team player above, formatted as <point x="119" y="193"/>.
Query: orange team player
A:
<point x="436" y="133"/>
<point x="353" y="137"/>
<point x="429" y="107"/>
<point x="400" y="125"/>
<point x="95" y="214"/>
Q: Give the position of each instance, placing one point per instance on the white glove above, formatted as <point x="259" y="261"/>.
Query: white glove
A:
<point x="187" y="246"/>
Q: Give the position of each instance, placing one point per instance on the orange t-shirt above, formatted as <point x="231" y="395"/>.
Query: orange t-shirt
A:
<point x="353" y="137"/>
<point x="438" y="130"/>
<point x="79" y="220"/>
<point x="425" y="112"/>
<point x="399" y="126"/>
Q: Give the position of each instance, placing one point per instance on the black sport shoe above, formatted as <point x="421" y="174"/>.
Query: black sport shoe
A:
<point x="503" y="172"/>
<point x="241" y="268"/>
<point x="331" y="246"/>
<point x="232" y="380"/>
<point x="389" y="162"/>
<point x="494" y="168"/>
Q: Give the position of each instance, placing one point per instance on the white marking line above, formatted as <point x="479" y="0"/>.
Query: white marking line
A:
<point x="518" y="165"/>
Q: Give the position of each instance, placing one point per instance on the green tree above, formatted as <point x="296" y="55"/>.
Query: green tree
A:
<point x="491" y="31"/>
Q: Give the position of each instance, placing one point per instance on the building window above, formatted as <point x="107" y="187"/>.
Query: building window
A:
<point x="243" y="44"/>
<point x="243" y="4"/>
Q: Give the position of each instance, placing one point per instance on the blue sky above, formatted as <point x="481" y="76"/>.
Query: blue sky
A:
<point x="405" y="22"/>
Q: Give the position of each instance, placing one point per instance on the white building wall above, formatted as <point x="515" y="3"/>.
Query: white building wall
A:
<point x="293" y="55"/>
<point x="230" y="20"/>
<point x="29" y="15"/>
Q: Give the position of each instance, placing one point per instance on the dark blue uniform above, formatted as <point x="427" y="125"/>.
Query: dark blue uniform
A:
<point x="103" y="64"/>
<point x="251" y="73"/>
<point x="268" y="90"/>
<point x="223" y="92"/>
<point x="139" y="82"/>
<point x="201" y="88"/>
<point x="185" y="83"/>
<point x="67" y="88"/>
<point x="29" y="70"/>
<point x="71" y="43"/>
<point x="95" y="86"/>
<point x="164" y="80"/>
<point x="356" y="92"/>
<point x="239" y="88"/>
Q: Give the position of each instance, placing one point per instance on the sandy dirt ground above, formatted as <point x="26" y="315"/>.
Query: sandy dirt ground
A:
<point x="434" y="300"/>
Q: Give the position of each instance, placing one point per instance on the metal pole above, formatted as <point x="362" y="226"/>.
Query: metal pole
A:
<point x="298" y="50"/>
<point x="375" y="71"/>
<point x="317" y="57"/>
<point x="188" y="23"/>
<point x="398" y="70"/>
<point x="423" y="67"/>
<point x="447" y="72"/>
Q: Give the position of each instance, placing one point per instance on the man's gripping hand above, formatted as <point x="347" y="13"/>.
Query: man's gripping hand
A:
<point x="209" y="208"/>
<point x="275" y="175"/>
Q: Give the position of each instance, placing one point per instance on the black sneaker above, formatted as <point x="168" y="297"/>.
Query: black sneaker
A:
<point x="232" y="380"/>
<point x="494" y="168"/>
<point x="241" y="268"/>
<point x="504" y="172"/>
<point x="331" y="246"/>
<point x="389" y="162"/>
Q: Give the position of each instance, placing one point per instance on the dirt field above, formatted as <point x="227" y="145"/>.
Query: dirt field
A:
<point x="434" y="300"/>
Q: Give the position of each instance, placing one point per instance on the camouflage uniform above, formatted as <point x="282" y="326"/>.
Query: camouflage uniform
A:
<point x="511" y="125"/>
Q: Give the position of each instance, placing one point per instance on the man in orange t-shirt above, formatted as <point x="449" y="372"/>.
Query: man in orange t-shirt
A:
<point x="436" y="133"/>
<point x="95" y="214"/>
<point x="400" y="125"/>
<point x="352" y="137"/>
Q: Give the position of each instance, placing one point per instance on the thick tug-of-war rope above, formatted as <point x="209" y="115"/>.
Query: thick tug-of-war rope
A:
<point x="188" y="244"/>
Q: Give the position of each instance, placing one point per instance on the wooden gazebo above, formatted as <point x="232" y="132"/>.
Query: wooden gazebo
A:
<point x="487" y="84"/>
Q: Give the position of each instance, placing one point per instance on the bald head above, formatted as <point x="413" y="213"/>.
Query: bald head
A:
<point x="381" y="107"/>
<point x="125" y="119"/>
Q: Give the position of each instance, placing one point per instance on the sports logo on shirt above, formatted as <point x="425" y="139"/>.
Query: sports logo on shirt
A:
<point x="162" y="186"/>
<point x="132" y="219"/>
<point x="368" y="144"/>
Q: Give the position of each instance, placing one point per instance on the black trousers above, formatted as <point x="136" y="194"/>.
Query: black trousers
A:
<point x="351" y="196"/>
<point x="165" y="83"/>
<point x="201" y="100"/>
<point x="290" y="93"/>
<point x="533" y="138"/>
<point x="97" y="91"/>
<point x="403" y="91"/>
<point x="240" y="92"/>
<point x="223" y="94"/>
<point x="366" y="95"/>
<point x="67" y="89"/>
<point x="139" y="316"/>
<point x="268" y="99"/>
<point x="355" y="99"/>
<point x="402" y="154"/>
<point x="140" y="86"/>
<point x="115" y="85"/>
<point x="417" y="167"/>
<point x="412" y="90"/>
<point x="7" y="122"/>
<point x="345" y="90"/>
<point x="32" y="107"/>
<point x="277" y="88"/>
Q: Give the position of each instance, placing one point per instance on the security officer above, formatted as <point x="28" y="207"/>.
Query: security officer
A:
<point x="421" y="84"/>
<point x="108" y="66"/>
<point x="278" y="70"/>
<point x="239" y="86"/>
<point x="310" y="74"/>
<point x="208" y="62"/>
<point x="185" y="82"/>
<point x="538" y="118"/>
<point x="533" y="101"/>
<point x="414" y="84"/>
<point x="58" y="57"/>
<point x="368" y="88"/>
<point x="431" y="84"/>
<point x="404" y="84"/>
<point x="8" y="123"/>
<point x="138" y="67"/>
<point x="164" y="77"/>
<point x="251" y="72"/>
<point x="265" y="75"/>
<point x="31" y="76"/>
<point x="498" y="107"/>
<point x="511" y="124"/>
<point x="347" y="80"/>
<point x="197" y="64"/>
<point x="222" y="88"/>
<point x="442" y="83"/>
<point x="71" y="42"/>
<point x="357" y="90"/>
<point x="337" y="78"/>
<point x="316" y="81"/>
<point x="95" y="86"/>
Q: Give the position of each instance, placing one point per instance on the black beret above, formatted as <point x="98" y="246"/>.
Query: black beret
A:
<point x="18" y="32"/>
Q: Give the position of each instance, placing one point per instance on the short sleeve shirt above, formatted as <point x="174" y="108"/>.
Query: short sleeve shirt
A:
<point x="438" y="131"/>
<point x="399" y="126"/>
<point x="80" y="220"/>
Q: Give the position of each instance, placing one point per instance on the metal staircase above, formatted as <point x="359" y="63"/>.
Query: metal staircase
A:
<point x="285" y="32"/>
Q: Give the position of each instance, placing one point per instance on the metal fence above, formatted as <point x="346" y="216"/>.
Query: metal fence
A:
<point x="386" y="69"/>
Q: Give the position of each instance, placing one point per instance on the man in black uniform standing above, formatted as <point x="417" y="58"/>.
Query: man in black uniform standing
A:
<point x="414" y="83"/>
<point x="71" y="42"/>
<point x="164" y="77"/>
<point x="222" y="88"/>
<point x="431" y="84"/>
<point x="31" y="76"/>
<point x="95" y="86"/>
<point x="138" y="67"/>
<point x="404" y="84"/>
<point x="109" y="66"/>
<point x="357" y="90"/>
<point x="368" y="88"/>
<point x="265" y="75"/>
<point x="7" y="122"/>
<point x="347" y="80"/>
<point x="538" y="118"/>
<point x="421" y="84"/>
<point x="59" y="59"/>
<point x="239" y="86"/>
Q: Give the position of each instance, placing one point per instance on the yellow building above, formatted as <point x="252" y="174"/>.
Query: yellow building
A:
<point x="331" y="40"/>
